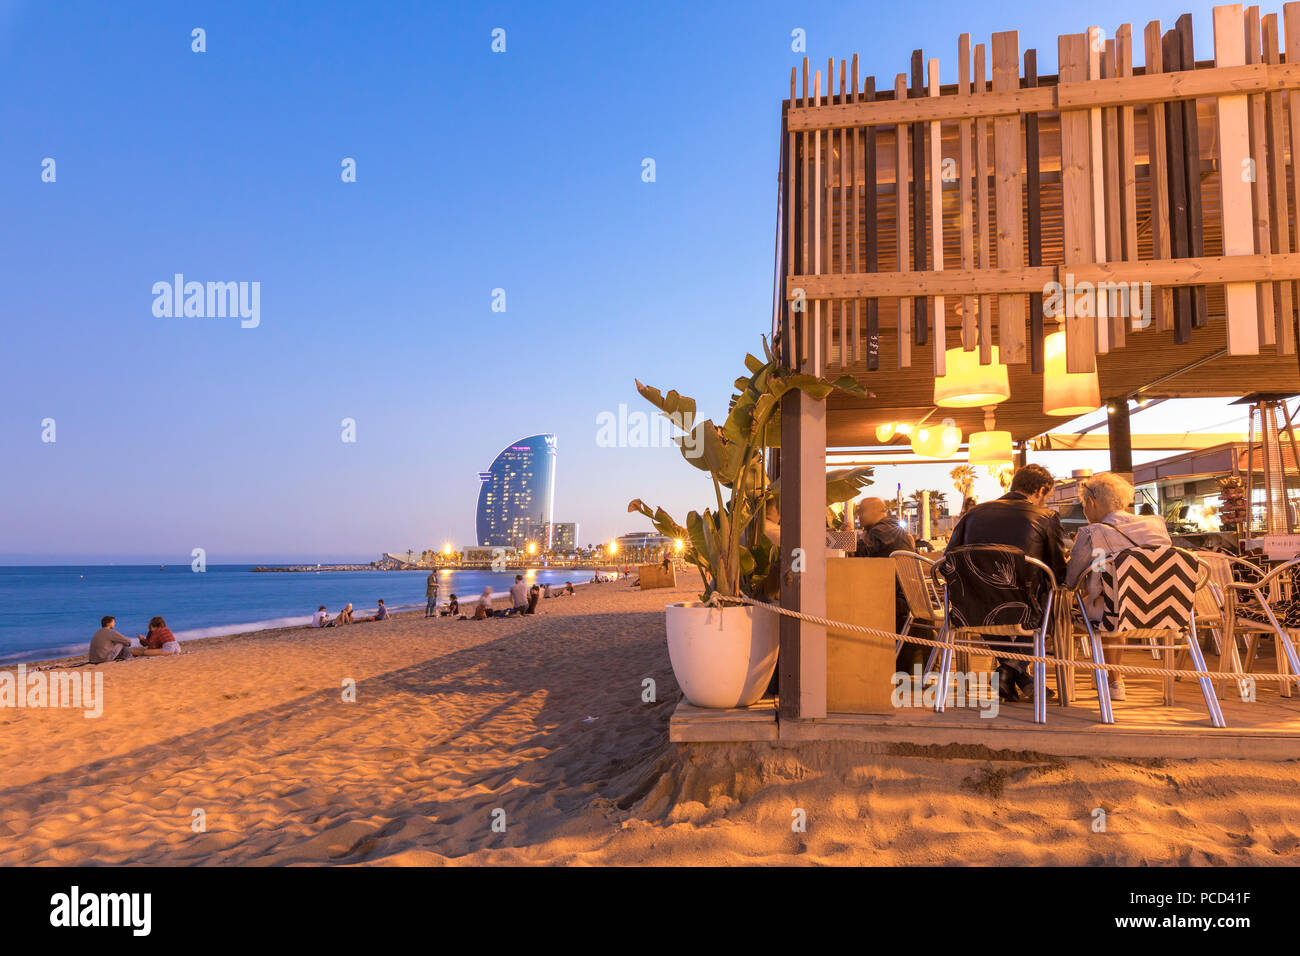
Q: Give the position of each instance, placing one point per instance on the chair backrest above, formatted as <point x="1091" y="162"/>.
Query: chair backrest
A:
<point x="992" y="585"/>
<point x="846" y="541"/>
<point x="1150" y="589"/>
<point x="914" y="578"/>
<point x="1217" y="596"/>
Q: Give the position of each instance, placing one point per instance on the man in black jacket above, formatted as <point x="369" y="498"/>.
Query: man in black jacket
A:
<point x="1020" y="519"/>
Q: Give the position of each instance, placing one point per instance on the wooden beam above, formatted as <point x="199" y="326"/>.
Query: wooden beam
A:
<point x="1076" y="200"/>
<point x="802" y="659"/>
<point x="1236" y="202"/>
<point x="1264" y="292"/>
<point x="969" y="329"/>
<point x="1035" y="203"/>
<point x="1007" y="186"/>
<point x="936" y="229"/>
<point x="1192" y="157"/>
<point x="1162" y="300"/>
<point x="1204" y="270"/>
<point x="920" y="306"/>
<point x="1275" y="146"/>
<point x="902" y="178"/>
<point x="1177" y="85"/>
<point x="1098" y="169"/>
<point x="982" y="207"/>
<point x="1172" y="51"/>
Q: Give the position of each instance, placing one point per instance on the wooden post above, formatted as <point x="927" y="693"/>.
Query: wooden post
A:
<point x="1076" y="202"/>
<point x="1236" y="206"/>
<point x="920" y="304"/>
<point x="1120" y="440"/>
<point x="1007" y="189"/>
<point x="803" y="527"/>
<point x="1033" y="183"/>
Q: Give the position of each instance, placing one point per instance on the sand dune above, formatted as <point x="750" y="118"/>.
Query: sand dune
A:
<point x="456" y="724"/>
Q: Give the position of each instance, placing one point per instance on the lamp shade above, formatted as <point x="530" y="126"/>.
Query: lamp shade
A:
<point x="1066" y="393"/>
<point x="991" y="448"/>
<point x="968" y="384"/>
<point x="937" y="442"/>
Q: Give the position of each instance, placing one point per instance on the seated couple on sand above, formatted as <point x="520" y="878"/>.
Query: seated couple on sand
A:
<point x="109" y="644"/>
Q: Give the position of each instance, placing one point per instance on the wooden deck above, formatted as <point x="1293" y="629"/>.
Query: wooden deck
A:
<point x="1266" y="729"/>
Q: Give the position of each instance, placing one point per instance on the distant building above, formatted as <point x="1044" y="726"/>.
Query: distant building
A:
<point x="518" y="494"/>
<point x="642" y="541"/>
<point x="564" y="536"/>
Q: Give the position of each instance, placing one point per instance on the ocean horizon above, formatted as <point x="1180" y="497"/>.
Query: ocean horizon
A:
<point x="52" y="610"/>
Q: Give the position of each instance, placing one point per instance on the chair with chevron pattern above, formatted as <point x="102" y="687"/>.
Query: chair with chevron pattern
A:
<point x="1150" y="594"/>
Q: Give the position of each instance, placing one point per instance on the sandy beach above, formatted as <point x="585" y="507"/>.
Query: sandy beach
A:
<point x="542" y="719"/>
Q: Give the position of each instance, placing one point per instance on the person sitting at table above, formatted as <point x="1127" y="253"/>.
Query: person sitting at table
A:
<point x="881" y="537"/>
<point x="1019" y="519"/>
<point x="1106" y="498"/>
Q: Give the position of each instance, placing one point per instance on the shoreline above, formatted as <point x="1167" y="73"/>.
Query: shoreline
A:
<point x="405" y="611"/>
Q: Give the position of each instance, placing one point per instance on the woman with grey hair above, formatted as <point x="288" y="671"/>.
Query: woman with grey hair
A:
<point x="1106" y="498"/>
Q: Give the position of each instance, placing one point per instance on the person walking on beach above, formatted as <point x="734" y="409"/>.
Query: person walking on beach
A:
<point x="431" y="595"/>
<point x="108" y="644"/>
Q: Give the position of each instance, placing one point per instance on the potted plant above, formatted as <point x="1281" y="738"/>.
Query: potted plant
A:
<point x="725" y="657"/>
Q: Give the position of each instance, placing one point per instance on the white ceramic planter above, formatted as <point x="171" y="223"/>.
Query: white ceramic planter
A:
<point x="722" y="657"/>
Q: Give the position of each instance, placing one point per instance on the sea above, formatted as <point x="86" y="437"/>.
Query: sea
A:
<point x="49" y="612"/>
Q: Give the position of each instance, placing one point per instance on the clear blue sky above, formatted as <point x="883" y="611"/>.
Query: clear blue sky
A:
<point x="475" y="171"/>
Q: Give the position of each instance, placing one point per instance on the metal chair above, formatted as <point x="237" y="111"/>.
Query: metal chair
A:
<point x="967" y="576"/>
<point x="1149" y="594"/>
<point x="1259" y="609"/>
<point x="1220" y="607"/>
<point x="924" y="608"/>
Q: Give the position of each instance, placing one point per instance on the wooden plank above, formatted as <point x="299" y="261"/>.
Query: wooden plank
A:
<point x="1171" y="85"/>
<point x="805" y="251"/>
<point x="936" y="229"/>
<point x="1264" y="291"/>
<point x="791" y="250"/>
<point x="1076" y="200"/>
<point x="1183" y="272"/>
<point x="827" y="229"/>
<point x="1234" y="145"/>
<point x="841" y="224"/>
<point x="1192" y="157"/>
<point x="1098" y="169"/>
<point x="1007" y="186"/>
<point x="969" y="329"/>
<point x="920" y="306"/>
<point x="819" y="242"/>
<point x="1178" y="231"/>
<point x="859" y="185"/>
<point x="902" y="176"/>
<point x="1275" y="145"/>
<point x="1127" y="148"/>
<point x="982" y="208"/>
<point x="1162" y="300"/>
<point x="873" y="238"/>
<point x="858" y="666"/>
<point x="1291" y="17"/>
<point x="1111" y="177"/>
<point x="1035" y="215"/>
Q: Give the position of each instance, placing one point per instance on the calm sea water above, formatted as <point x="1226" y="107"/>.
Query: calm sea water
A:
<point x="52" y="611"/>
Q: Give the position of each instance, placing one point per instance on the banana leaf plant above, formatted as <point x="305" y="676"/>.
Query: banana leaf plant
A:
<point x="727" y="543"/>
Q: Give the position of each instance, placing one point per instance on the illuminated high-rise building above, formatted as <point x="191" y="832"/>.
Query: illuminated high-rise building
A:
<point x="518" y="494"/>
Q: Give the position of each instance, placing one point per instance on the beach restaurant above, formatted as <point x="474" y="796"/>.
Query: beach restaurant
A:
<point x="990" y="258"/>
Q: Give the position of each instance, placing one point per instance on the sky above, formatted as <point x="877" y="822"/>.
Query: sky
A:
<point x="475" y="171"/>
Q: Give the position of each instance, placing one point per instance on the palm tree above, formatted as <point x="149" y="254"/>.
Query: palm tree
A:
<point x="963" y="479"/>
<point x="1003" y="473"/>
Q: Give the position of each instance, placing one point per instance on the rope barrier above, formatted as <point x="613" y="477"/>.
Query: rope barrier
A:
<point x="1084" y="663"/>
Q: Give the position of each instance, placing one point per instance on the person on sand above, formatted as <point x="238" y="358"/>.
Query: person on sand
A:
<point x="345" y="615"/>
<point x="381" y="614"/>
<point x="108" y="644"/>
<point x="483" y="609"/>
<point x="431" y="595"/>
<point x="158" y="642"/>
<point x="519" y="595"/>
<point x="320" y="618"/>
<point x="568" y="587"/>
<point x="453" y="607"/>
<point x="534" y="595"/>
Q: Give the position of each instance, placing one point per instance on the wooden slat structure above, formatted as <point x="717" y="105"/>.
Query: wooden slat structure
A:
<point x="1173" y="181"/>
<point x="1174" y="173"/>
